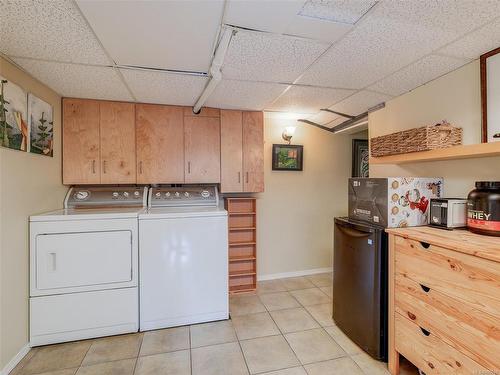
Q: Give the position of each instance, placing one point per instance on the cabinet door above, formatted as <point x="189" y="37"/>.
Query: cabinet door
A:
<point x="253" y="152"/>
<point x="160" y="144"/>
<point x="231" y="155"/>
<point x="81" y="164"/>
<point x="117" y="124"/>
<point x="202" y="149"/>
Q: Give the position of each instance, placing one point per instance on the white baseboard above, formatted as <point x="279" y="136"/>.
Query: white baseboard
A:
<point x="284" y="275"/>
<point x="14" y="361"/>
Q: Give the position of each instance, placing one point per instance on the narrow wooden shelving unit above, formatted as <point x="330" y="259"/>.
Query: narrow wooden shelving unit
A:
<point x="242" y="244"/>
<point x="480" y="150"/>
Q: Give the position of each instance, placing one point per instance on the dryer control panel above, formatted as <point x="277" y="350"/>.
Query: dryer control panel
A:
<point x="106" y="196"/>
<point x="178" y="196"/>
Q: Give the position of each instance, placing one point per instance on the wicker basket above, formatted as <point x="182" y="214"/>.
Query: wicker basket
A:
<point x="414" y="140"/>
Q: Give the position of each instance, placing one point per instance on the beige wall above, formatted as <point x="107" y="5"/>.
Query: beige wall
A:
<point x="455" y="97"/>
<point x="296" y="211"/>
<point x="29" y="184"/>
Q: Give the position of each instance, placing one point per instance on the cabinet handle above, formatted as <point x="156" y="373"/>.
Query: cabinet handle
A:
<point x="189" y="167"/>
<point x="425" y="245"/>
<point x="239" y="177"/>
<point x="53" y="262"/>
<point x="104" y="167"/>
<point x="93" y="166"/>
<point x="140" y="167"/>
<point x="247" y="177"/>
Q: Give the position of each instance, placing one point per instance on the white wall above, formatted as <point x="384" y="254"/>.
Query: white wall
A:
<point x="296" y="211"/>
<point x="455" y="97"/>
<point x="29" y="184"/>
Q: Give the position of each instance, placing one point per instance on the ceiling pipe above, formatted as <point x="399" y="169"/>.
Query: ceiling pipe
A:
<point x="215" y="68"/>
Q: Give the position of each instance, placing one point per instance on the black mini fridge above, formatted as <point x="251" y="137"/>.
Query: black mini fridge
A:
<point x="360" y="284"/>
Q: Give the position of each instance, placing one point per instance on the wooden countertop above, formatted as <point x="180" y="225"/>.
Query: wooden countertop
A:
<point x="487" y="247"/>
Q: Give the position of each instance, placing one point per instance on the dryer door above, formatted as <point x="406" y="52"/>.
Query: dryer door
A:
<point x="95" y="260"/>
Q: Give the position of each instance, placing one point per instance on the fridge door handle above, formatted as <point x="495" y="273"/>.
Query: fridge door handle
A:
<point x="354" y="232"/>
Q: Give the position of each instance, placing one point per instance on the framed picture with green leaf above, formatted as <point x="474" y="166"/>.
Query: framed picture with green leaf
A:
<point x="287" y="157"/>
<point x="41" y="123"/>
<point x="13" y="122"/>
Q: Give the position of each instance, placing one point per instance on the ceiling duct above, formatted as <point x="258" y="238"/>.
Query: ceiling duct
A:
<point x="215" y="68"/>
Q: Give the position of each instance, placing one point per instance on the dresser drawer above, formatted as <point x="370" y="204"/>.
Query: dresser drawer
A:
<point x="467" y="329"/>
<point x="429" y="353"/>
<point x="467" y="278"/>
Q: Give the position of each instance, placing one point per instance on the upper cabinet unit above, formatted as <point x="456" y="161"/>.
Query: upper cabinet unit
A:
<point x="160" y="144"/>
<point x="202" y="149"/>
<point x="98" y="142"/>
<point x="117" y="127"/>
<point x="242" y="151"/>
<point x="107" y="142"/>
<point x="81" y="160"/>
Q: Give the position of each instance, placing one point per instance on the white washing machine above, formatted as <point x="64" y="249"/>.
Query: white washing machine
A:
<point x="84" y="265"/>
<point x="183" y="258"/>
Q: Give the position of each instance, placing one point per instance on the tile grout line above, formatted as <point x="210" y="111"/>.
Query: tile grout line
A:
<point x="138" y="353"/>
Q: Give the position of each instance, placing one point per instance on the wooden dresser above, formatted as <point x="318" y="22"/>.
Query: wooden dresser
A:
<point x="444" y="301"/>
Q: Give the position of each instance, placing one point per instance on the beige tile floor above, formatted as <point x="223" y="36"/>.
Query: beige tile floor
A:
<point x="284" y="329"/>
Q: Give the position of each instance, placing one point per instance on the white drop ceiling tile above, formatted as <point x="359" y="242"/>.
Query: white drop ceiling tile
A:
<point x="335" y="122"/>
<point x="231" y="94"/>
<point x="176" y="35"/>
<point x="418" y="73"/>
<point x="360" y="102"/>
<point x="459" y="17"/>
<point x="476" y="43"/>
<point x="164" y="88"/>
<point x="378" y="46"/>
<point x="269" y="15"/>
<point x="325" y="31"/>
<point x="259" y="56"/>
<point x="79" y="81"/>
<point x="346" y="11"/>
<point x="51" y="30"/>
<point x="306" y="99"/>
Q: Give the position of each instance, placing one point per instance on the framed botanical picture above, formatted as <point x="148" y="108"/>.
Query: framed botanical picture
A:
<point x="490" y="95"/>
<point x="287" y="157"/>
<point x="41" y="124"/>
<point x="13" y="118"/>
<point x="360" y="158"/>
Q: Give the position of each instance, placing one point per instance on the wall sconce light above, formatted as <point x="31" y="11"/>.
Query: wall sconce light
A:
<point x="288" y="133"/>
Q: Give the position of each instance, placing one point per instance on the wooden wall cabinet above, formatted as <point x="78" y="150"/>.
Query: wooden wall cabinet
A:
<point x="160" y="144"/>
<point x="117" y="138"/>
<point x="242" y="151"/>
<point x="202" y="149"/>
<point x="98" y="142"/>
<point x="107" y="142"/>
<point x="81" y="143"/>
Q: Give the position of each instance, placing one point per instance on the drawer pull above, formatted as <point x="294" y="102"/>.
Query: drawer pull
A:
<point x="424" y="331"/>
<point x="425" y="245"/>
<point x="411" y="316"/>
<point x="426" y="289"/>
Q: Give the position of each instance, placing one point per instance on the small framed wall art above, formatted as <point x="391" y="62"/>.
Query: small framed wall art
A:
<point x="287" y="157"/>
<point x="41" y="124"/>
<point x="13" y="117"/>
<point x="490" y="95"/>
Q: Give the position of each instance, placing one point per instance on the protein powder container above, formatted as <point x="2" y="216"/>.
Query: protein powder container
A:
<point x="483" y="208"/>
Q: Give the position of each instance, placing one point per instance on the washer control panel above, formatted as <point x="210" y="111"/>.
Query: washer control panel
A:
<point x="104" y="196"/>
<point x="191" y="195"/>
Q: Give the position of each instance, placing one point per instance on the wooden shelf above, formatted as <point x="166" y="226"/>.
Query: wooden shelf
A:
<point x="241" y="243"/>
<point x="242" y="258"/>
<point x="480" y="150"/>
<point x="242" y="273"/>
<point x="241" y="289"/>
